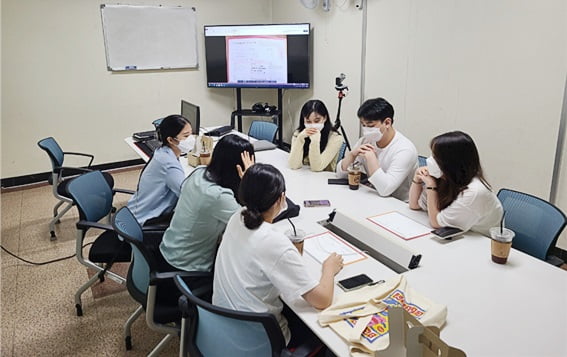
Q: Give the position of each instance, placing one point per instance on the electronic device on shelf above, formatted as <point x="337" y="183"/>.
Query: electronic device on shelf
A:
<point x="282" y="49"/>
<point x="148" y="146"/>
<point x="223" y="130"/>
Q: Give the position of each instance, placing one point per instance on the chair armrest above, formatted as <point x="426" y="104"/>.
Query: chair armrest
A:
<point x="60" y="169"/>
<point x="123" y="190"/>
<point x="154" y="228"/>
<point x="155" y="276"/>
<point x="554" y="260"/>
<point x="80" y="154"/>
<point x="85" y="225"/>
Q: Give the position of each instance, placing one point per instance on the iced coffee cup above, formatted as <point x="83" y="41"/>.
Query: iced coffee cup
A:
<point x="205" y="158"/>
<point x="500" y="244"/>
<point x="353" y="176"/>
<point x="296" y="238"/>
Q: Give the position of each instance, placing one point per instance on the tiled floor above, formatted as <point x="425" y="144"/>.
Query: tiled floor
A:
<point x="37" y="307"/>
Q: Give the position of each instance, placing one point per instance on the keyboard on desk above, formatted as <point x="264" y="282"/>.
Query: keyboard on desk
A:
<point x="148" y="146"/>
<point x="220" y="131"/>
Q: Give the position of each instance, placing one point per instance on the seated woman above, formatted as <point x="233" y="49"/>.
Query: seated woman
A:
<point x="452" y="188"/>
<point x="206" y="203"/>
<point x="315" y="142"/>
<point x="256" y="263"/>
<point x="161" y="178"/>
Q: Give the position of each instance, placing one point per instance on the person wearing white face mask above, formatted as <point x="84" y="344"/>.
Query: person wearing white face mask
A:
<point x="315" y="142"/>
<point x="256" y="263"/>
<point x="388" y="157"/>
<point x="452" y="188"/>
<point x="160" y="180"/>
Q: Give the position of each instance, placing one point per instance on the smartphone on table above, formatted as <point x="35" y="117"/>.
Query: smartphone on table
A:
<point x="446" y="232"/>
<point x="354" y="282"/>
<point x="316" y="203"/>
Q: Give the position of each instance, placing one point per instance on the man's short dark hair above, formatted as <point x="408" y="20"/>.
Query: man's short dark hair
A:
<point x="376" y="109"/>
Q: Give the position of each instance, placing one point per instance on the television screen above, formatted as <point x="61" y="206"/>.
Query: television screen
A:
<point x="258" y="56"/>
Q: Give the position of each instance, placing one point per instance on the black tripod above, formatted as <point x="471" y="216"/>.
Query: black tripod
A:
<point x="341" y="89"/>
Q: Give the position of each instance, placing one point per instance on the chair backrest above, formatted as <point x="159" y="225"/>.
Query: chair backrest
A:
<point x="157" y="123"/>
<point x="128" y="229"/>
<point x="421" y="161"/>
<point x="92" y="195"/>
<point x="536" y="222"/>
<point x="245" y="333"/>
<point x="54" y="151"/>
<point x="263" y="130"/>
<point x="342" y="152"/>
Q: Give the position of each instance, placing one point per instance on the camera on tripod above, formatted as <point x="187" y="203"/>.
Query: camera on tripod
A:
<point x="339" y="85"/>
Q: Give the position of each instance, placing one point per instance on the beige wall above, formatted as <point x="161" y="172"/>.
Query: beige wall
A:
<point x="494" y="69"/>
<point x="55" y="82"/>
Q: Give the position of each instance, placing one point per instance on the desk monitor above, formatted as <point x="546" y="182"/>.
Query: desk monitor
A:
<point x="192" y="113"/>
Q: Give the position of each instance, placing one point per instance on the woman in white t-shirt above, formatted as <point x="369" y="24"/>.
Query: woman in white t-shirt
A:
<point x="256" y="264"/>
<point x="452" y="188"/>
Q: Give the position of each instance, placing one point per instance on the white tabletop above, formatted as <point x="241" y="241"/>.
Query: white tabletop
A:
<point x="516" y="309"/>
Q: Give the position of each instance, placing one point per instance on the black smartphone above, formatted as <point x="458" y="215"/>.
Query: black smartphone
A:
<point x="446" y="232"/>
<point x="316" y="203"/>
<point x="354" y="282"/>
<point x="337" y="181"/>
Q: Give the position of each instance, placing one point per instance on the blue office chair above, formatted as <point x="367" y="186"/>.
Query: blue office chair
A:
<point x="58" y="182"/>
<point x="421" y="161"/>
<point x="536" y="223"/>
<point x="149" y="285"/>
<point x="244" y="333"/>
<point x="263" y="130"/>
<point x="93" y="197"/>
<point x="342" y="152"/>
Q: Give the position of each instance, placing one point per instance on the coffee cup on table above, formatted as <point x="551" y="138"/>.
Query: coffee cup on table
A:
<point x="500" y="244"/>
<point x="296" y="237"/>
<point x="354" y="176"/>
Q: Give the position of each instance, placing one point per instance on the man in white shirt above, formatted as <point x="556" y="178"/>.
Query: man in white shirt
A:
<point x="388" y="157"/>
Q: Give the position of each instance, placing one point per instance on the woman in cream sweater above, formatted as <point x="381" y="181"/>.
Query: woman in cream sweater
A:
<point x="315" y="142"/>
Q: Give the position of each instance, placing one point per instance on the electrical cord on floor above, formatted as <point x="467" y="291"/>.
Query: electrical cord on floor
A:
<point x="41" y="263"/>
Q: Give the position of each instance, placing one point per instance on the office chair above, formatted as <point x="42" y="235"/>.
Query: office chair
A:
<point x="342" y="152"/>
<point x="421" y="161"/>
<point x="56" y="180"/>
<point x="263" y="130"/>
<point x="243" y="333"/>
<point x="536" y="223"/>
<point x="152" y="288"/>
<point x="93" y="197"/>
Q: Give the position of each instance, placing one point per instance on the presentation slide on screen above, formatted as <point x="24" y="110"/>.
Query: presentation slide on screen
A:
<point x="256" y="59"/>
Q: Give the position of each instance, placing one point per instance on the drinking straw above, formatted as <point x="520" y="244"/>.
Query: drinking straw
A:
<point x="293" y="226"/>
<point x="502" y="223"/>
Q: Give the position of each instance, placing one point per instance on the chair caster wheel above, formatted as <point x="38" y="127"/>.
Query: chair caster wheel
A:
<point x="101" y="278"/>
<point x="128" y="341"/>
<point x="58" y="221"/>
<point x="52" y="235"/>
<point x="79" y="310"/>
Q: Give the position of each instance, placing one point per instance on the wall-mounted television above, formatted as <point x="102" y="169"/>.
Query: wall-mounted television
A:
<point x="258" y="56"/>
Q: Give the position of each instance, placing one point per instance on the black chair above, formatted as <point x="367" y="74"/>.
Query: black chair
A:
<point x="209" y="330"/>
<point x="151" y="287"/>
<point x="93" y="196"/>
<point x="536" y="223"/>
<point x="57" y="180"/>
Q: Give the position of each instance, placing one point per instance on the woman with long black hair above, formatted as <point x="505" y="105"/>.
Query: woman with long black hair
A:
<point x="316" y="142"/>
<point x="452" y="188"/>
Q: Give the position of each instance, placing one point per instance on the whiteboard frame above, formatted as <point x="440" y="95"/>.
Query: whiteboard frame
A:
<point x="117" y="48"/>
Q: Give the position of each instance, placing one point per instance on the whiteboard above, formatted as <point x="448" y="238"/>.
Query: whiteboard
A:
<point x="149" y="37"/>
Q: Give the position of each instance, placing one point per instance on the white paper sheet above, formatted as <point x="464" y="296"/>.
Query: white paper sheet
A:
<point x="321" y="245"/>
<point x="402" y="226"/>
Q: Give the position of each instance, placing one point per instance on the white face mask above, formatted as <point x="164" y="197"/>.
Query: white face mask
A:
<point x="187" y="145"/>
<point x="433" y="168"/>
<point x="318" y="126"/>
<point x="372" y="134"/>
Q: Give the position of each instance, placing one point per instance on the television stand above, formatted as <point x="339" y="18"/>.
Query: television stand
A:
<point x="276" y="116"/>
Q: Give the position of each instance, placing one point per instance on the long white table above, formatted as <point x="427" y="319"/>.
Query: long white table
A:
<point x="516" y="309"/>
